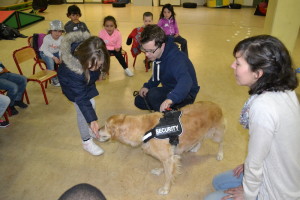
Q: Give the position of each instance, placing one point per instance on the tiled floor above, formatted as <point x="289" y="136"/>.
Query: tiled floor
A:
<point x="41" y="154"/>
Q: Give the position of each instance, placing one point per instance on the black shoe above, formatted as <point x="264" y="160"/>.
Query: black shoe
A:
<point x="3" y="124"/>
<point x="21" y="104"/>
<point x="23" y="36"/>
<point x="13" y="110"/>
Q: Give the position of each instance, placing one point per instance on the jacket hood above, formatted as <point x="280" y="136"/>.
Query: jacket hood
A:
<point x="169" y="49"/>
<point x="68" y="44"/>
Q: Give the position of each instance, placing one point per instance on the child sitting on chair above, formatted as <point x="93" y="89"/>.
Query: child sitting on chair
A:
<point x="74" y="24"/>
<point x="113" y="40"/>
<point x="135" y="35"/>
<point x="168" y="23"/>
<point x="50" y="49"/>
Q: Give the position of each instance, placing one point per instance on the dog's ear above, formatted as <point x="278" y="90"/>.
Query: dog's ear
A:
<point x="113" y="123"/>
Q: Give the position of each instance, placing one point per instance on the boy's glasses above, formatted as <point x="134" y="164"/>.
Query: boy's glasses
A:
<point x="149" y="51"/>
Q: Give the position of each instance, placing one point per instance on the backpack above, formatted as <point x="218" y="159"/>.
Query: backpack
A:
<point x="8" y="33"/>
<point x="37" y="41"/>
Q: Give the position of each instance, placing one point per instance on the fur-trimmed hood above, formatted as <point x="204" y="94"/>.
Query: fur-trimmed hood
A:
<point x="66" y="48"/>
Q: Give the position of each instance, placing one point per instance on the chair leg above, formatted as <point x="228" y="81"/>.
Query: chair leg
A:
<point x="6" y="117"/>
<point x="26" y="97"/>
<point x="134" y="62"/>
<point x="44" y="93"/>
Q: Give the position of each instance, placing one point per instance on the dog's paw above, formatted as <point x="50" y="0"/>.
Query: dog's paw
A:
<point x="157" y="171"/>
<point x="220" y="156"/>
<point x="163" y="191"/>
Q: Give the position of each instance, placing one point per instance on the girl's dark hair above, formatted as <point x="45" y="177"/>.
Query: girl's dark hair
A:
<point x="153" y="32"/>
<point x="110" y="18"/>
<point x="90" y="52"/>
<point x="170" y="8"/>
<point x="267" y="53"/>
<point x="73" y="10"/>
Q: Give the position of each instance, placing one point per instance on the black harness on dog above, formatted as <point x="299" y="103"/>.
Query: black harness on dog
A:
<point x="168" y="127"/>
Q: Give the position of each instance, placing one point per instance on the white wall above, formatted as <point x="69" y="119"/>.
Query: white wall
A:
<point x="9" y="2"/>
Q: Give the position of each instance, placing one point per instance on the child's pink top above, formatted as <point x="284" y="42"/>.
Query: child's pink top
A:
<point x="112" y="41"/>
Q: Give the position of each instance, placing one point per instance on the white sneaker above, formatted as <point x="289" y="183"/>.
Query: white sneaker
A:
<point x="92" y="148"/>
<point x="56" y="84"/>
<point x="128" y="72"/>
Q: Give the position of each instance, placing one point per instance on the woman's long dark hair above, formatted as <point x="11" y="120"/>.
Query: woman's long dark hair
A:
<point x="267" y="53"/>
<point x="90" y="52"/>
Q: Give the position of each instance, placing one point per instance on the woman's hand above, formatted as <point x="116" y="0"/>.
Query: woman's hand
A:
<point x="95" y="128"/>
<point x="234" y="193"/>
<point x="238" y="170"/>
<point x="166" y="104"/>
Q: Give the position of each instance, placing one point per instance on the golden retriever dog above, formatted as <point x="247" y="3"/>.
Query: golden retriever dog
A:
<point x="199" y="121"/>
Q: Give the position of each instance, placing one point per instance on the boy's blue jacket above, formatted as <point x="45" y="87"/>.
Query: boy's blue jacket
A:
<point x="72" y="79"/>
<point x="176" y="72"/>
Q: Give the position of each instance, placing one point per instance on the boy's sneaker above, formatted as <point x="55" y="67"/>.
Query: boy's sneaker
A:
<point x="13" y="110"/>
<point x="56" y="84"/>
<point x="21" y="104"/>
<point x="128" y="72"/>
<point x="3" y="124"/>
<point x="92" y="148"/>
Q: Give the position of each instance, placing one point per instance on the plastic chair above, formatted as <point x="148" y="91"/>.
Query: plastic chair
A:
<point x="124" y="54"/>
<point x="146" y="63"/>
<point x="21" y="56"/>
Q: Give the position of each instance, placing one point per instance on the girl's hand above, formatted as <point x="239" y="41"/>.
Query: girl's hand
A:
<point x="117" y="49"/>
<point x="176" y="35"/>
<point x="234" y="193"/>
<point x="238" y="170"/>
<point x="95" y="128"/>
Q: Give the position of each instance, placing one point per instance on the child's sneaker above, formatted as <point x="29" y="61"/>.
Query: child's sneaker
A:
<point x="92" y="148"/>
<point x="3" y="124"/>
<point x="128" y="72"/>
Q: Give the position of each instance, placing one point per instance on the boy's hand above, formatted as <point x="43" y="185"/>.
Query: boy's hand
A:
<point x="56" y="60"/>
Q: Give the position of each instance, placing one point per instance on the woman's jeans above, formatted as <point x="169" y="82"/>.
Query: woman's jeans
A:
<point x="223" y="182"/>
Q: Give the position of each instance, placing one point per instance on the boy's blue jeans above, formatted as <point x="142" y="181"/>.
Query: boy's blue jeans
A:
<point x="50" y="63"/>
<point x="223" y="182"/>
<point x="14" y="84"/>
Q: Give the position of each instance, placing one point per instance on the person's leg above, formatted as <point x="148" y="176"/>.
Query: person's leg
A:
<point x="227" y="180"/>
<point x="4" y="102"/>
<point x="10" y="87"/>
<point x="140" y="103"/>
<point x="186" y="101"/>
<point x="85" y="131"/>
<point x="223" y="182"/>
<point x="120" y="58"/>
<point x="50" y="65"/>
<point x="156" y="96"/>
<point x="183" y="44"/>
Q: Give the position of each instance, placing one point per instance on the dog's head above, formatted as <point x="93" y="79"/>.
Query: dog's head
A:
<point x="111" y="127"/>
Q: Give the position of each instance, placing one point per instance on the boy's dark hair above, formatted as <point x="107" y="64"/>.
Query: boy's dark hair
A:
<point x="170" y="8"/>
<point x="153" y="32"/>
<point x="73" y="10"/>
<point x="110" y="18"/>
<point x="147" y="14"/>
<point x="82" y="191"/>
<point x="267" y="53"/>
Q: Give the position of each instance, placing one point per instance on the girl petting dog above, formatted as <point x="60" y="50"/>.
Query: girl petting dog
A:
<point x="85" y="58"/>
<point x="272" y="115"/>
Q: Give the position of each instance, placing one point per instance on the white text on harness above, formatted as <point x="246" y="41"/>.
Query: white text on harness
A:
<point x="162" y="131"/>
